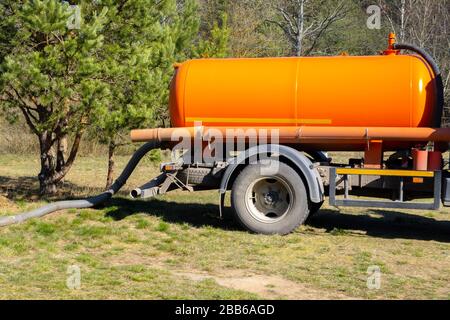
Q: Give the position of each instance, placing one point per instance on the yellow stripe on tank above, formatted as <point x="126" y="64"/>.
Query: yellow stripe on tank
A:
<point x="260" y="120"/>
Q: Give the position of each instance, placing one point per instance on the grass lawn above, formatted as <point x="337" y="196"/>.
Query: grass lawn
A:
<point x="177" y="247"/>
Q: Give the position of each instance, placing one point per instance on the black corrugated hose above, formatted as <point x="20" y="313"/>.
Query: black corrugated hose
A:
<point x="437" y="77"/>
<point x="88" y="202"/>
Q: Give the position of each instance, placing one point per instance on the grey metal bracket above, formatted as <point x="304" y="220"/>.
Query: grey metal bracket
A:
<point x="399" y="204"/>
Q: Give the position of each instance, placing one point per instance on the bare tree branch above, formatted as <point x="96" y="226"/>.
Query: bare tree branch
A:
<point x="28" y="120"/>
<point x="300" y="22"/>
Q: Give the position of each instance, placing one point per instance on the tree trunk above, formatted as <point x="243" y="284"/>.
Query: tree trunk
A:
<point x="47" y="185"/>
<point x="61" y="150"/>
<point x="54" y="166"/>
<point x="298" y="48"/>
<point x="301" y="27"/>
<point x="111" y="164"/>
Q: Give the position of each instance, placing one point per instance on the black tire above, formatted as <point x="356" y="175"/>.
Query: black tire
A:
<point x="244" y="208"/>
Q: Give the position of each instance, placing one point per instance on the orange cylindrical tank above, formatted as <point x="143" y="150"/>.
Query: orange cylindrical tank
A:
<point x="434" y="161"/>
<point x="380" y="91"/>
<point x="420" y="159"/>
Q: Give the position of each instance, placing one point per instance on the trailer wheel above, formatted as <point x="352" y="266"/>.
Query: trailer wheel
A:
<point x="269" y="204"/>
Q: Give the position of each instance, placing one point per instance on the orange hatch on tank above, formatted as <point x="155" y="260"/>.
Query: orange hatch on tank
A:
<point x="389" y="90"/>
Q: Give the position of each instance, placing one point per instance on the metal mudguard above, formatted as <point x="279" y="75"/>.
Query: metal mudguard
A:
<point x="314" y="182"/>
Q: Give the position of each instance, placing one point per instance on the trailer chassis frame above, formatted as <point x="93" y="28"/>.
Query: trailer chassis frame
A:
<point x="397" y="204"/>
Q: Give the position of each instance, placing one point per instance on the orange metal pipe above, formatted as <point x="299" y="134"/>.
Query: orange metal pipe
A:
<point x="302" y="135"/>
<point x="375" y="133"/>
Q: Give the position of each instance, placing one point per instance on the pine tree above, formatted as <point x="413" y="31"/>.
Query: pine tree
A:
<point x="215" y="43"/>
<point x="142" y="41"/>
<point x="109" y="75"/>
<point x="50" y="75"/>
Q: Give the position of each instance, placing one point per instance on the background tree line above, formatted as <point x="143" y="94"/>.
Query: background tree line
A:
<point x="112" y="72"/>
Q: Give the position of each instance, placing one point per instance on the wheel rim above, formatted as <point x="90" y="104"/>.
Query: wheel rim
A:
<point x="269" y="199"/>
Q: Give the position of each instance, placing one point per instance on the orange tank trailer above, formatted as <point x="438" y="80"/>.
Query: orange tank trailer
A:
<point x="371" y="104"/>
<point x="343" y="91"/>
<point x="390" y="102"/>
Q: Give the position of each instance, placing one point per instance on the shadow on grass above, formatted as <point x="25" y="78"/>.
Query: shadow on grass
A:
<point x="27" y="189"/>
<point x="384" y="224"/>
<point x="195" y="214"/>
